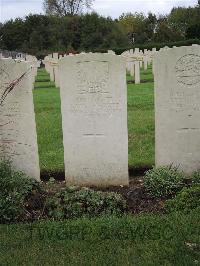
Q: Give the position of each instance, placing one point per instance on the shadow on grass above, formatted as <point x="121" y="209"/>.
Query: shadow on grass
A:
<point x="142" y="81"/>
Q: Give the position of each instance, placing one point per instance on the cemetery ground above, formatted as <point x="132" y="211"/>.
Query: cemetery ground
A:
<point x="140" y="131"/>
<point x="149" y="237"/>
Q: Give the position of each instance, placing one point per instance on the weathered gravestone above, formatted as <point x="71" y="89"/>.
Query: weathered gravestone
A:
<point x="55" y="68"/>
<point x="111" y="52"/>
<point x="18" y="139"/>
<point x="177" y="100"/>
<point x="94" y="119"/>
<point x="137" y="65"/>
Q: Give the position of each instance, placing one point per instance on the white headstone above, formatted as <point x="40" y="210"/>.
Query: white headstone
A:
<point x="55" y="73"/>
<point x="137" y="51"/>
<point x="145" y="62"/>
<point x="111" y="52"/>
<point x="55" y="56"/>
<point x="132" y="68"/>
<point x="177" y="88"/>
<point x="94" y="119"/>
<point x="137" y="72"/>
<point x="18" y="139"/>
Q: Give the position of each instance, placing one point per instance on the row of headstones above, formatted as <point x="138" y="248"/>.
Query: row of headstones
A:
<point x="12" y="55"/>
<point x="32" y="60"/>
<point x="94" y="115"/>
<point x="135" y="60"/>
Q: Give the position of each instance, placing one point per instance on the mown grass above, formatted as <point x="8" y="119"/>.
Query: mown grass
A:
<point x="49" y="127"/>
<point x="141" y="127"/>
<point x="144" y="240"/>
<point x="140" y="122"/>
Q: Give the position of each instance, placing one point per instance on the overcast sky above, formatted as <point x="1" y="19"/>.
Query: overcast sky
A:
<point x="114" y="8"/>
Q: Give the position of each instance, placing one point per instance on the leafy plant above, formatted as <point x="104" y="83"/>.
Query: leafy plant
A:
<point x="14" y="188"/>
<point x="163" y="181"/>
<point x="196" y="177"/>
<point x="186" y="200"/>
<point x="75" y="203"/>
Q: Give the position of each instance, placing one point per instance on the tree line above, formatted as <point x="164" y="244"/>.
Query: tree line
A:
<point x="69" y="30"/>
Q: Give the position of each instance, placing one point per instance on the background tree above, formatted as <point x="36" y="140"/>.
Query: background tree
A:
<point x="66" y="7"/>
<point x="12" y="34"/>
<point x="41" y="34"/>
<point x="193" y="32"/>
<point x="151" y="23"/>
<point x="181" y="18"/>
<point x="164" y="33"/>
<point x="133" y="25"/>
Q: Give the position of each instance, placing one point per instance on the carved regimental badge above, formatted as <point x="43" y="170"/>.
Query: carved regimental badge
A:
<point x="188" y="69"/>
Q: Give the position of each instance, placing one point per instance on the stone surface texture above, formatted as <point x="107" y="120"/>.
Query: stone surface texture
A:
<point x="18" y="139"/>
<point x="94" y="119"/>
<point x="177" y="102"/>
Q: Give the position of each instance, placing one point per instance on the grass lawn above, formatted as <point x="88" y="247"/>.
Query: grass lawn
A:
<point x="49" y="127"/>
<point x="145" y="240"/>
<point x="140" y="122"/>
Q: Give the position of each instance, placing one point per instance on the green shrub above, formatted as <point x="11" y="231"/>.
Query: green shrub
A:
<point x="186" y="200"/>
<point x="150" y="46"/>
<point x="163" y="181"/>
<point x="14" y="188"/>
<point x="75" y="203"/>
<point x="196" y="177"/>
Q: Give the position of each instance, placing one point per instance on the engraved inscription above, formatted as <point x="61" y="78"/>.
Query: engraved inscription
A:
<point x="4" y="74"/>
<point x="92" y="77"/>
<point x="188" y="69"/>
<point x="10" y="115"/>
<point x="93" y="96"/>
<point x="185" y="101"/>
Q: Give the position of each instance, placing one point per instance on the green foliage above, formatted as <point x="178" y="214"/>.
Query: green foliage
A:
<point x="40" y="34"/>
<point x="181" y="18"/>
<point x="133" y="24"/>
<point x="163" y="181"/>
<point x="186" y="200"/>
<point x="196" y="178"/>
<point x="99" y="32"/>
<point x="193" y="31"/>
<point x="166" y="33"/>
<point x="75" y="203"/>
<point x="151" y="45"/>
<point x="14" y="188"/>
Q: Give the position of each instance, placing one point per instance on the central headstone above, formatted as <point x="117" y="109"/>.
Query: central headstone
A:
<point x="94" y="119"/>
<point x="177" y="99"/>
